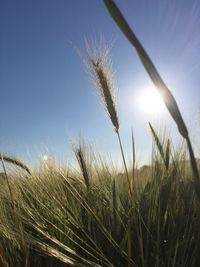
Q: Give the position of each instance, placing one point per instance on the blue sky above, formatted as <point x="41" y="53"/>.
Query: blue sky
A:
<point x="46" y="93"/>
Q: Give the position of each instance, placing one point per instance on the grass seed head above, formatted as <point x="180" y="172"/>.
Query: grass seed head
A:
<point x="102" y="75"/>
<point x="79" y="151"/>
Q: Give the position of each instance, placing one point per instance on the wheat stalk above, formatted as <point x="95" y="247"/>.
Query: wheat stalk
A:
<point x="100" y="67"/>
<point x="81" y="158"/>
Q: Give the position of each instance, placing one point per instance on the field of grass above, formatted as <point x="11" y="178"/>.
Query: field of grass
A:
<point x="94" y="215"/>
<point x="53" y="217"/>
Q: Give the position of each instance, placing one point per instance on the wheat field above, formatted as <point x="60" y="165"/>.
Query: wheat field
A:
<point x="94" y="214"/>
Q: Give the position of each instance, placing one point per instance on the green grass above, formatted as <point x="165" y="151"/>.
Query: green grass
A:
<point x="65" y="223"/>
<point x="95" y="215"/>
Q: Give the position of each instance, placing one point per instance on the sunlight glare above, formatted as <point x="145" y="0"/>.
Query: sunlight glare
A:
<point x="150" y="101"/>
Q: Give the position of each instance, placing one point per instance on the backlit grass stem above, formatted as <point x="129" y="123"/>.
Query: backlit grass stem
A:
<point x="100" y="67"/>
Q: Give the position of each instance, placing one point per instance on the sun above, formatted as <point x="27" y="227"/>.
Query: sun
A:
<point x="150" y="101"/>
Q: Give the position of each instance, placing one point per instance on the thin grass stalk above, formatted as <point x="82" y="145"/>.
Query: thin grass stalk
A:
<point x="194" y="168"/>
<point x="158" y="237"/>
<point x="17" y="217"/>
<point x="114" y="200"/>
<point x="16" y="162"/>
<point x="102" y="75"/>
<point x="8" y="183"/>
<point x="66" y="248"/>
<point x="130" y="202"/>
<point x="53" y="252"/>
<point x="129" y="242"/>
<point x="140" y="240"/>
<point x="124" y="160"/>
<point x="167" y="155"/>
<point x="104" y="231"/>
<point x="24" y="244"/>
<point x="133" y="163"/>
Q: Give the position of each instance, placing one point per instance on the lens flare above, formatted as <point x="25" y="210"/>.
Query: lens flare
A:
<point x="45" y="157"/>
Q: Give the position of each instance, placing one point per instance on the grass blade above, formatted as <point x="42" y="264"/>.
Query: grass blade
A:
<point x="133" y="162"/>
<point x="14" y="161"/>
<point x="166" y="95"/>
<point x="158" y="143"/>
<point x="167" y="154"/>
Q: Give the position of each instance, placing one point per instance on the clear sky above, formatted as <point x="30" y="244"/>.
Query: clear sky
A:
<point x="45" y="92"/>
